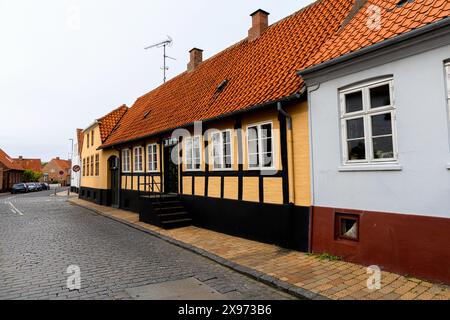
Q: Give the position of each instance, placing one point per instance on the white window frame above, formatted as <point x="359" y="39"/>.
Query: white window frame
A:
<point x="191" y="152"/>
<point x="447" y="94"/>
<point x="152" y="156"/>
<point x="126" y="160"/>
<point x="260" y="166"/>
<point x="137" y="157"/>
<point x="221" y="155"/>
<point x="367" y="113"/>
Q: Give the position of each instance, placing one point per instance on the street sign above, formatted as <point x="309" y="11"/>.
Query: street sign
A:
<point x="61" y="173"/>
<point x="76" y="169"/>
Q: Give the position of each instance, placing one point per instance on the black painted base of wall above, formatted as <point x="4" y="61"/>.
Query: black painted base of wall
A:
<point x="74" y="189"/>
<point x="129" y="200"/>
<point x="98" y="196"/>
<point x="283" y="225"/>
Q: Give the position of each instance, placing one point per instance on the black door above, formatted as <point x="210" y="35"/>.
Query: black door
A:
<point x="170" y="170"/>
<point x="114" y="174"/>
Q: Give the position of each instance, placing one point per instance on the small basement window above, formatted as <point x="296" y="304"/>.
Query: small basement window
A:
<point x="347" y="227"/>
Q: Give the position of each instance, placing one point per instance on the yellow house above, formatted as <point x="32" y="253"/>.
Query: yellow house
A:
<point x="225" y="145"/>
<point x="97" y="166"/>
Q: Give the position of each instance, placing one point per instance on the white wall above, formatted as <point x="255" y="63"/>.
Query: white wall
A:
<point x="76" y="160"/>
<point x="423" y="185"/>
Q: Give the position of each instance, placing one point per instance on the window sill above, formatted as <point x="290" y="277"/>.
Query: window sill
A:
<point x="378" y="167"/>
<point x="448" y="166"/>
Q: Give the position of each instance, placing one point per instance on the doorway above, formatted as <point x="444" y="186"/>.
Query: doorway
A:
<point x="170" y="169"/>
<point x="114" y="179"/>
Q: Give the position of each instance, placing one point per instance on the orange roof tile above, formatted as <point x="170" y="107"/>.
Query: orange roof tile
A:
<point x="63" y="164"/>
<point x="363" y="30"/>
<point x="109" y="122"/>
<point x="29" y="164"/>
<point x="258" y="72"/>
<point x="8" y="162"/>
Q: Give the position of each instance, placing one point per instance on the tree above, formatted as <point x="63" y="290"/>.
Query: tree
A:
<point x="31" y="176"/>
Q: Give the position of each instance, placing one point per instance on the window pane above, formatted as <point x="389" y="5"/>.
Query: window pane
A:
<point x="253" y="146"/>
<point x="266" y="131"/>
<point x="355" y="128"/>
<point x="383" y="148"/>
<point x="353" y="102"/>
<point x="253" y="160"/>
<point x="380" y="96"/>
<point x="252" y="133"/>
<point x="357" y="150"/>
<point x="267" y="160"/>
<point x="382" y="124"/>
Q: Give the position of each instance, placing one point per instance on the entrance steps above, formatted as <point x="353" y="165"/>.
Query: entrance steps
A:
<point x="166" y="211"/>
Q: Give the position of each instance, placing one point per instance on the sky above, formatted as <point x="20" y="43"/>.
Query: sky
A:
<point x="65" y="63"/>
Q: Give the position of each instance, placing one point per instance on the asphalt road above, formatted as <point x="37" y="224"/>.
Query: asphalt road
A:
<point x="41" y="235"/>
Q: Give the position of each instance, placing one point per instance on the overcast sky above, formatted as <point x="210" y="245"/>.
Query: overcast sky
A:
<point x="65" y="63"/>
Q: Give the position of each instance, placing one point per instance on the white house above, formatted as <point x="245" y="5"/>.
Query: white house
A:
<point x="380" y="139"/>
<point x="75" y="177"/>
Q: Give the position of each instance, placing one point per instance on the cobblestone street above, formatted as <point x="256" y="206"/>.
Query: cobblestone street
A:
<point x="42" y="235"/>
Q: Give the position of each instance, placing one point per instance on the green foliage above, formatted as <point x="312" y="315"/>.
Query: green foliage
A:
<point x="31" y="176"/>
<point x="325" y="256"/>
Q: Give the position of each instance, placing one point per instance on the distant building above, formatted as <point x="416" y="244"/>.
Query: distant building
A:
<point x="29" y="164"/>
<point x="57" y="171"/>
<point x="11" y="172"/>
<point x="75" y="177"/>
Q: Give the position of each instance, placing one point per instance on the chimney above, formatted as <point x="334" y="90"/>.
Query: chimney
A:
<point x="196" y="59"/>
<point x="20" y="158"/>
<point x="260" y="22"/>
<point x="57" y="158"/>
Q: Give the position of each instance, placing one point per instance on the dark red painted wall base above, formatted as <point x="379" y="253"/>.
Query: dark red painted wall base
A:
<point x="406" y="244"/>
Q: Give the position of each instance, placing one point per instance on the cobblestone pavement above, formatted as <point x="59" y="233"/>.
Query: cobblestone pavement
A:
<point x="336" y="280"/>
<point x="41" y="235"/>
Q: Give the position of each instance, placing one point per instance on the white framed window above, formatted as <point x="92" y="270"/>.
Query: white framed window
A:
<point x="222" y="146"/>
<point x="447" y="71"/>
<point x="138" y="159"/>
<point x="126" y="160"/>
<point x="152" y="154"/>
<point x="193" y="153"/>
<point x="368" y="123"/>
<point x="260" y="146"/>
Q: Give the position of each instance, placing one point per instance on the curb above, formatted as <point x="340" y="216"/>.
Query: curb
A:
<point x="251" y="273"/>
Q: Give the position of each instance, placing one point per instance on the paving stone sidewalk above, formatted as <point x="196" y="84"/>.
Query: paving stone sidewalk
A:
<point x="310" y="274"/>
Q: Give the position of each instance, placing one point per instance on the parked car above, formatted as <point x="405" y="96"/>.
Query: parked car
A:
<point x="45" y="186"/>
<point x="31" y="187"/>
<point x="19" y="188"/>
<point x="38" y="186"/>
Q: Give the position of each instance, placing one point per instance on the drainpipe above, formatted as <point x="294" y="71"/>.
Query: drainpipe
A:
<point x="290" y="147"/>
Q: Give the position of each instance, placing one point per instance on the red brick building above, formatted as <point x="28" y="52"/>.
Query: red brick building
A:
<point x="11" y="172"/>
<point x="57" y="171"/>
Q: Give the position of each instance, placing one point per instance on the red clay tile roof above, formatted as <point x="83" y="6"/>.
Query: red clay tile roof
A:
<point x="63" y="164"/>
<point x="109" y="122"/>
<point x="8" y="162"/>
<point x="258" y="72"/>
<point x="30" y="164"/>
<point x="362" y="32"/>
<point x="80" y="139"/>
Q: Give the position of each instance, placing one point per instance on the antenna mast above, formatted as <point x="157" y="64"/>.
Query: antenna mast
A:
<point x="163" y="44"/>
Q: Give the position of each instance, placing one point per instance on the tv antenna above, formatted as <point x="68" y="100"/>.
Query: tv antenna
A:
<point x="163" y="44"/>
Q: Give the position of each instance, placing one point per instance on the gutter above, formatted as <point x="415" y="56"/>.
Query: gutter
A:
<point x="293" y="97"/>
<point x="386" y="43"/>
<point x="290" y="152"/>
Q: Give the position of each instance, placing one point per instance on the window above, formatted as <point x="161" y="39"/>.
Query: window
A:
<point x="138" y="156"/>
<point x="87" y="144"/>
<point x="92" y="138"/>
<point x="221" y="150"/>
<point x="87" y="167"/>
<point x="126" y="160"/>
<point x="260" y="146"/>
<point x="368" y="124"/>
<point x="193" y="153"/>
<point x="347" y="227"/>
<point x="97" y="165"/>
<point x="84" y="167"/>
<point x="152" y="151"/>
<point x="92" y="165"/>
<point x="447" y="69"/>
